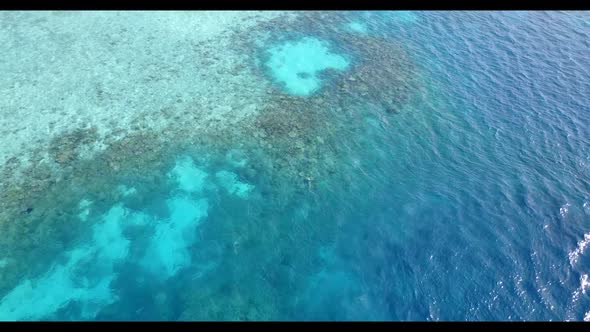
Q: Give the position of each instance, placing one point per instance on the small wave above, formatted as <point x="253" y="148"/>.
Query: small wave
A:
<point x="584" y="283"/>
<point x="564" y="210"/>
<point x="582" y="245"/>
<point x="584" y="286"/>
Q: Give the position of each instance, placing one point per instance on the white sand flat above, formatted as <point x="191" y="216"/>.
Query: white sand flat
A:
<point x="67" y="70"/>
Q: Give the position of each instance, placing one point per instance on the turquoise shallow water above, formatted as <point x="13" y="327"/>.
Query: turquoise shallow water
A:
<point x="296" y="65"/>
<point x="405" y="166"/>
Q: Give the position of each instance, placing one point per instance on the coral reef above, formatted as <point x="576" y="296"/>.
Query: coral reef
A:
<point x="66" y="148"/>
<point x="286" y="154"/>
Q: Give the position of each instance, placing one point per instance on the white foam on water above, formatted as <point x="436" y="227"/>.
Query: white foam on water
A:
<point x="584" y="283"/>
<point x="188" y="176"/>
<point x="582" y="245"/>
<point x="584" y="286"/>
<point x="61" y="285"/>
<point x="563" y="211"/>
<point x="587" y="317"/>
<point x="229" y="181"/>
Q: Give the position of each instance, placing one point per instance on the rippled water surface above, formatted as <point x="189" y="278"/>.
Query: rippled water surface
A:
<point x="295" y="166"/>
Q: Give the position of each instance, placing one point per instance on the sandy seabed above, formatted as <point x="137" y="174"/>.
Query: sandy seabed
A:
<point x="110" y="70"/>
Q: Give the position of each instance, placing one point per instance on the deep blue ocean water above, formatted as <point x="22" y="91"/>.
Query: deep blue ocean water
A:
<point x="470" y="203"/>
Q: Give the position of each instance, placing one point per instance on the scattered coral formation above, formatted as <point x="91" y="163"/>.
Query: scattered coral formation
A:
<point x="291" y="149"/>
